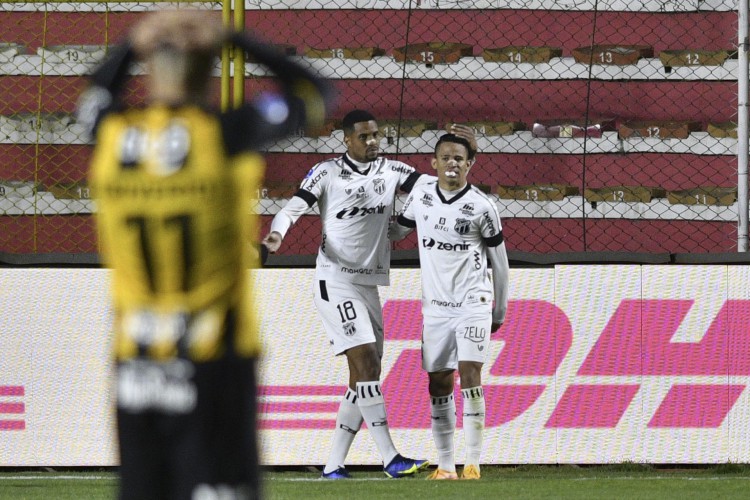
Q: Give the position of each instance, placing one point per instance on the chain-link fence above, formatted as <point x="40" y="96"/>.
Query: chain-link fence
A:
<point x="603" y="125"/>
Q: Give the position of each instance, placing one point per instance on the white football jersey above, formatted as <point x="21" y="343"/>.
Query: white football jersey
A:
<point x="355" y="209"/>
<point x="453" y="234"/>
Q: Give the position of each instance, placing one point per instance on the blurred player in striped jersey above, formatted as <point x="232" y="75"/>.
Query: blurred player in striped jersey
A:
<point x="174" y="184"/>
<point x="355" y="194"/>
<point x="459" y="232"/>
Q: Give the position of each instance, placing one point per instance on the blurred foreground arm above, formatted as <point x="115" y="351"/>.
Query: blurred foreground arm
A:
<point x="179" y="49"/>
<point x="304" y="101"/>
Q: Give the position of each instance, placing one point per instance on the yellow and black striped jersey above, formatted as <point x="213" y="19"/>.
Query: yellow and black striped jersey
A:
<point x="174" y="215"/>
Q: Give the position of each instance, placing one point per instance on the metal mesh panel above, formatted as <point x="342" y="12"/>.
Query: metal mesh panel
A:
<point x="603" y="125"/>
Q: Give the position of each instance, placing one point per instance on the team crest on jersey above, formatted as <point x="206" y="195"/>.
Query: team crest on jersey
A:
<point x="349" y="329"/>
<point x="462" y="226"/>
<point x="164" y="152"/>
<point x="378" y="185"/>
<point x="468" y="209"/>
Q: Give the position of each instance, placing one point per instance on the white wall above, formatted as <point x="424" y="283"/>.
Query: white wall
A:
<point x="595" y="364"/>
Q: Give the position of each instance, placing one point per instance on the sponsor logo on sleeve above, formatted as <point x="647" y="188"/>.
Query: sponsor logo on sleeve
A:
<point x="314" y="180"/>
<point x="402" y="169"/>
<point x="490" y="223"/>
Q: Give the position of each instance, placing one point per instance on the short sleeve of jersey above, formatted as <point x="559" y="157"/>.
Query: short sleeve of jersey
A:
<point x="315" y="182"/>
<point x="407" y="175"/>
<point x="490" y="226"/>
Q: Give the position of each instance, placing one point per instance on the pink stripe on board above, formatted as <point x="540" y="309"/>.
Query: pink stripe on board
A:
<point x="537" y="336"/>
<point x="402" y="319"/>
<point x="298" y="407"/>
<point x="592" y="406"/>
<point x="700" y="406"/>
<point x="301" y="390"/>
<point x="11" y="390"/>
<point x="12" y="425"/>
<point x="281" y="425"/>
<point x="505" y="403"/>
<point x="12" y="408"/>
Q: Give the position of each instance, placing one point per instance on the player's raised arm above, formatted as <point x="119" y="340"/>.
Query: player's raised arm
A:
<point x="303" y="101"/>
<point x="106" y="83"/>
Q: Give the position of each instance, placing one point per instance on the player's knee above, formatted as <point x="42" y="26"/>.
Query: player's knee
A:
<point x="364" y="363"/>
<point x="471" y="374"/>
<point x="369" y="371"/>
<point x="441" y="383"/>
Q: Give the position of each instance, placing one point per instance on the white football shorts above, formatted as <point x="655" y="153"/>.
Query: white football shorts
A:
<point x="351" y="314"/>
<point x="446" y="341"/>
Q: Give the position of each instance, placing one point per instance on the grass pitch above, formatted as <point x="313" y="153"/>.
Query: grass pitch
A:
<point x="623" y="481"/>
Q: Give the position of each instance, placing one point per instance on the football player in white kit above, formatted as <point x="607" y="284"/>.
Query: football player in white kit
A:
<point x="459" y="231"/>
<point x="355" y="194"/>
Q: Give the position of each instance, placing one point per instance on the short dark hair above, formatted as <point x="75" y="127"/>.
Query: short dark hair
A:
<point x="458" y="140"/>
<point x="355" y="116"/>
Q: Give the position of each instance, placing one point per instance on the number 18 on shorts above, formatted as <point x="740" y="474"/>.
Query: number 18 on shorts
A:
<point x="351" y="314"/>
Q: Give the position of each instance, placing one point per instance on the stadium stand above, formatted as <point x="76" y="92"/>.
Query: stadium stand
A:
<point x="515" y="72"/>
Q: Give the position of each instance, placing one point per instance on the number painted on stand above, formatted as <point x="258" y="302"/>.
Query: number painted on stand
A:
<point x="427" y="56"/>
<point x="515" y="57"/>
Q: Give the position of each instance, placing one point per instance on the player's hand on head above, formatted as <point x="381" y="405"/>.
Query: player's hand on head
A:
<point x="272" y="241"/>
<point x="464" y="132"/>
<point x="183" y="30"/>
